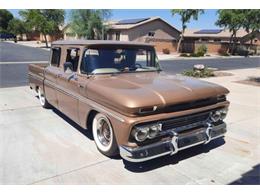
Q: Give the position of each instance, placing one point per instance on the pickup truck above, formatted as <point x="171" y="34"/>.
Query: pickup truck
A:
<point x="118" y="91"/>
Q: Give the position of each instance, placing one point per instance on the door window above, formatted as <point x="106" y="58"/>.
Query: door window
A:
<point x="73" y="57"/>
<point x="55" y="57"/>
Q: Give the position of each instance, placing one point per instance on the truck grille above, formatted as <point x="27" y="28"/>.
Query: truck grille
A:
<point x="184" y="121"/>
<point x="194" y="104"/>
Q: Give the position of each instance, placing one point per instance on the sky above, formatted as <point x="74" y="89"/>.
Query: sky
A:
<point x="205" y="21"/>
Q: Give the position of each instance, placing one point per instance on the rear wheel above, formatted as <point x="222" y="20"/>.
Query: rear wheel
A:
<point x="43" y="101"/>
<point x="104" y="135"/>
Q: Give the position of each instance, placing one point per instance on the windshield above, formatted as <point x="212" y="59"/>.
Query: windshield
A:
<point x="119" y="60"/>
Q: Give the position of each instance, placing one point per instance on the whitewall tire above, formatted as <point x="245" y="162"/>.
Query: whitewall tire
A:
<point x="104" y="135"/>
<point x="44" y="103"/>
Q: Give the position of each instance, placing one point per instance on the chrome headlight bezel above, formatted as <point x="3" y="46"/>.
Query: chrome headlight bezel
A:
<point x="150" y="131"/>
<point x="218" y="115"/>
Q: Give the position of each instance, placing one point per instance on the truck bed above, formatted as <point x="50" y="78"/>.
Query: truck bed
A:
<point x="36" y="75"/>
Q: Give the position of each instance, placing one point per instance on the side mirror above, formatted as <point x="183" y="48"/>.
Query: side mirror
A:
<point x="68" y="67"/>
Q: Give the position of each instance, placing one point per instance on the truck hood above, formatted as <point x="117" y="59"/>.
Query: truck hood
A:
<point x="127" y="93"/>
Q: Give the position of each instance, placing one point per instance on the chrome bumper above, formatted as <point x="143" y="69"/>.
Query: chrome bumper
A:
<point x="177" y="143"/>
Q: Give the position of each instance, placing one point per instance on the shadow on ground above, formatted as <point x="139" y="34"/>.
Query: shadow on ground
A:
<point x="171" y="160"/>
<point x="251" y="177"/>
<point x="155" y="163"/>
<point x="83" y="131"/>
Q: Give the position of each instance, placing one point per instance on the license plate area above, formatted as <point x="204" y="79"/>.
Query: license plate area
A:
<point x="192" y="138"/>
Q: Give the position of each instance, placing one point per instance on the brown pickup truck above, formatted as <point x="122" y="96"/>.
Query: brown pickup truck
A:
<point x="118" y="91"/>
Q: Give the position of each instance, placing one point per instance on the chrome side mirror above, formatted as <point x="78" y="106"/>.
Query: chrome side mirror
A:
<point x="73" y="76"/>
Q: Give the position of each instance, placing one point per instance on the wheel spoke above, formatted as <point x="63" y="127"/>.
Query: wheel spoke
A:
<point x="103" y="132"/>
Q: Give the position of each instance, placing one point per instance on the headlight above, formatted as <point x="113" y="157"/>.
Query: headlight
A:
<point x="143" y="132"/>
<point x="154" y="130"/>
<point x="224" y="112"/>
<point x="217" y="115"/>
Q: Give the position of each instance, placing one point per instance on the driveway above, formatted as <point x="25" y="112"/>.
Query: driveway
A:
<point x="42" y="146"/>
<point x="14" y="60"/>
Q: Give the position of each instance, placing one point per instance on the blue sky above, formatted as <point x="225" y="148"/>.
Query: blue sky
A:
<point x="206" y="21"/>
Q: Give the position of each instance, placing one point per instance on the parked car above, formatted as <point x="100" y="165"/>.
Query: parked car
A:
<point x="7" y="36"/>
<point x="118" y="91"/>
<point x="243" y="51"/>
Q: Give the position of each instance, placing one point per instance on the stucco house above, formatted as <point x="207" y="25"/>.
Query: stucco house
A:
<point x="216" y="40"/>
<point x="151" y="30"/>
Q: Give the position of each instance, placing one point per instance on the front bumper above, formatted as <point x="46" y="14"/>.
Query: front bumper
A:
<point x="176" y="143"/>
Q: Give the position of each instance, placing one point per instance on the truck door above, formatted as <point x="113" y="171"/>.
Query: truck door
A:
<point x="51" y="74"/>
<point x="68" y="95"/>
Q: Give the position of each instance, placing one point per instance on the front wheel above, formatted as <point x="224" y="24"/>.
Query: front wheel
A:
<point x="44" y="103"/>
<point x="104" y="135"/>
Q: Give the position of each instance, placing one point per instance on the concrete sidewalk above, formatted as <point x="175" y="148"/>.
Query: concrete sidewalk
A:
<point x="39" y="146"/>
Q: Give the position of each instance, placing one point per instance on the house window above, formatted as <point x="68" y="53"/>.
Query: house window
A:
<point x="151" y="34"/>
<point x="55" y="57"/>
<point x="118" y="36"/>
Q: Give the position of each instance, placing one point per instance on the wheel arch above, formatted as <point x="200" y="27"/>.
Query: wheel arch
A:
<point x="90" y="117"/>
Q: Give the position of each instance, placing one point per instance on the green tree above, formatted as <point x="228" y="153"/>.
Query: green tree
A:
<point x="231" y="19"/>
<point x="45" y="21"/>
<point x="17" y="27"/>
<point x="89" y="23"/>
<point x="186" y="15"/>
<point x="5" y="17"/>
<point x="251" y="22"/>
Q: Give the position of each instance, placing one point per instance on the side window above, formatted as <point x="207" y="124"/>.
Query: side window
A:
<point x="73" y="57"/>
<point x="55" y="57"/>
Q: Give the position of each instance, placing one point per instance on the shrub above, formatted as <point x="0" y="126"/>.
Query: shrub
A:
<point x="202" y="50"/>
<point x="194" y="55"/>
<point x="241" y="51"/>
<point x="254" y="79"/>
<point x="166" y="51"/>
<point x="199" y="73"/>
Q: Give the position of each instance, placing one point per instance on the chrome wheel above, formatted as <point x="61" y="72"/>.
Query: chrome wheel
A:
<point x="103" y="135"/>
<point x="103" y="131"/>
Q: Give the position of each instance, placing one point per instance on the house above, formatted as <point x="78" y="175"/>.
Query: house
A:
<point x="150" y="30"/>
<point x="216" y="40"/>
<point x="255" y="38"/>
<point x="68" y="33"/>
